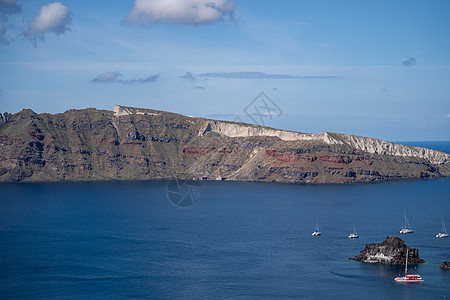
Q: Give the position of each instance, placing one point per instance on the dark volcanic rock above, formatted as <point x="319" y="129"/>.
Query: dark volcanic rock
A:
<point x="392" y="251"/>
<point x="445" y="265"/>
<point x="140" y="144"/>
<point x="197" y="150"/>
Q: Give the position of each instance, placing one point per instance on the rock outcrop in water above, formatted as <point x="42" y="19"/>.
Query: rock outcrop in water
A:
<point x="135" y="144"/>
<point x="392" y="251"/>
<point x="445" y="265"/>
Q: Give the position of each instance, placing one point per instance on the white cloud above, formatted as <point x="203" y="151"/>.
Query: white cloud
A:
<point x="111" y="76"/>
<point x="261" y="75"/>
<point x="447" y="116"/>
<point x="7" y="8"/>
<point x="188" y="76"/>
<point x="180" y="11"/>
<point x="53" y="17"/>
<point x="412" y="61"/>
<point x="2" y="31"/>
<point x="116" y="77"/>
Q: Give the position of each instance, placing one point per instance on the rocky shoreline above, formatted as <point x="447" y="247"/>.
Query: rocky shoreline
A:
<point x="392" y="251"/>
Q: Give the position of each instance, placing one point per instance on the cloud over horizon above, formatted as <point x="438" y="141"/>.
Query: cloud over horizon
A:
<point x="188" y="76"/>
<point x="261" y="75"/>
<point x="190" y="12"/>
<point x="115" y="77"/>
<point x="110" y="76"/>
<point x="53" y="17"/>
<point x="409" y="62"/>
<point x="7" y="8"/>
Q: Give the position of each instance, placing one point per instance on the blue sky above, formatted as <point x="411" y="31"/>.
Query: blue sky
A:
<point x="372" y="68"/>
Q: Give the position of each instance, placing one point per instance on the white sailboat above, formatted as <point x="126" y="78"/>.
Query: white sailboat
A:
<point x="408" y="277"/>
<point x="407" y="228"/>
<point x="316" y="230"/>
<point x="443" y="233"/>
<point x="353" y="235"/>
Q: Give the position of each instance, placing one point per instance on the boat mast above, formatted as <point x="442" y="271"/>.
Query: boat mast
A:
<point x="406" y="267"/>
<point x="443" y="226"/>
<point x="407" y="225"/>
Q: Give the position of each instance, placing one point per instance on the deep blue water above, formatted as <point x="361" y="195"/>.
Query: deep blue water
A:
<point x="240" y="240"/>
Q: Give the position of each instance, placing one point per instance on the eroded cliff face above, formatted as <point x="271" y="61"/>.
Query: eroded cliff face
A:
<point x="132" y="143"/>
<point x="230" y="129"/>
<point x="373" y="146"/>
<point x="376" y="146"/>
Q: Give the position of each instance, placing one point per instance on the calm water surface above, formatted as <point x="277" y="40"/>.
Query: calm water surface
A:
<point x="241" y="240"/>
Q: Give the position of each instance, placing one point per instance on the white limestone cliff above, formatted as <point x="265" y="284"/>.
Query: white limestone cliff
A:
<point x="124" y="111"/>
<point x="376" y="146"/>
<point x="369" y="145"/>
<point x="240" y="130"/>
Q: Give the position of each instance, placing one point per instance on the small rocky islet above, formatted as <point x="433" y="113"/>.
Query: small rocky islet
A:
<point x="445" y="265"/>
<point x="392" y="251"/>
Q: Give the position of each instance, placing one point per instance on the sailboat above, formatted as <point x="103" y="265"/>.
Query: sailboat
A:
<point x="407" y="228"/>
<point x="408" y="277"/>
<point x="316" y="230"/>
<point x="353" y="235"/>
<point x="443" y="233"/>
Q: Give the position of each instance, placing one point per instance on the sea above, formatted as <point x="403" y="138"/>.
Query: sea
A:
<point x="131" y="240"/>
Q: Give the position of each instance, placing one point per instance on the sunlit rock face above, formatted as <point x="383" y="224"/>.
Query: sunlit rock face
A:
<point x="135" y="143"/>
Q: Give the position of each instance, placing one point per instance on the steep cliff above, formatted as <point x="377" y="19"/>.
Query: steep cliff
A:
<point x="132" y="143"/>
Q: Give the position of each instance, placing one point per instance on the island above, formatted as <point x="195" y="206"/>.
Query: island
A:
<point x="445" y="265"/>
<point x="392" y="251"/>
<point x="145" y="144"/>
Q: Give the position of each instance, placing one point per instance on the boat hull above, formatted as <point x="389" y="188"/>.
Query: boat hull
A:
<point x="442" y="235"/>
<point x="409" y="278"/>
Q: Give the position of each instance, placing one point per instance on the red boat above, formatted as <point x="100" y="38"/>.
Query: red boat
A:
<point x="408" y="277"/>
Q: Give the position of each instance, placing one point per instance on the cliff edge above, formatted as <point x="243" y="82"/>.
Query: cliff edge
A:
<point x="135" y="143"/>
